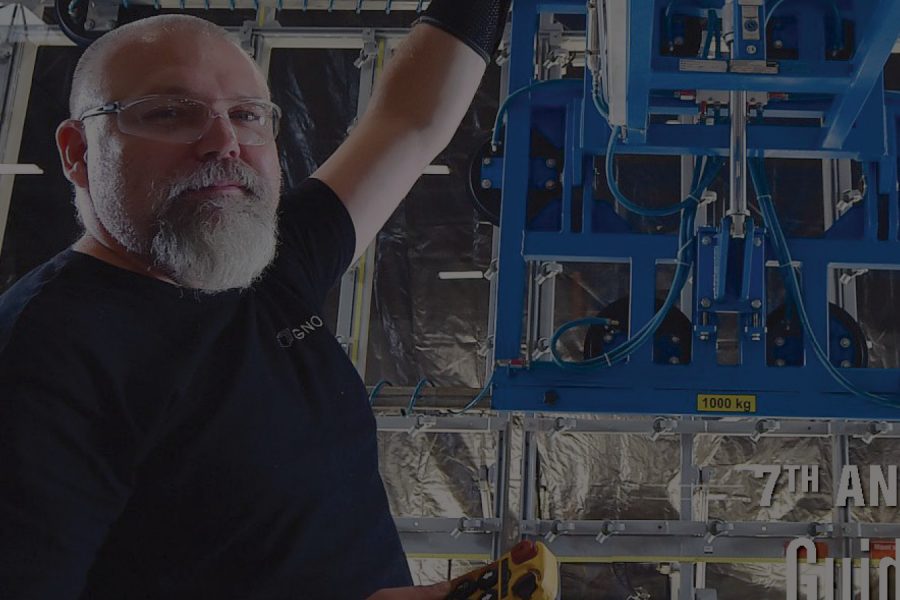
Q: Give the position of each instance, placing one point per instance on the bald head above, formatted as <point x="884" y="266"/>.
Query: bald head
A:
<point x="101" y="65"/>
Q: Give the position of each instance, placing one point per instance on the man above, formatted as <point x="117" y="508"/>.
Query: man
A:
<point x="174" y="421"/>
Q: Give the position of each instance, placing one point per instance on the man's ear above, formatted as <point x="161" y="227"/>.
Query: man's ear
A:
<point x="72" y="144"/>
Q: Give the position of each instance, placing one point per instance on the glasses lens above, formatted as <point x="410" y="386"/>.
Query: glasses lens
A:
<point x="254" y="122"/>
<point x="181" y="120"/>
<point x="168" y="119"/>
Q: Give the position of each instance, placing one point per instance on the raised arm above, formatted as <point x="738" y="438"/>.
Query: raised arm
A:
<point x="417" y="105"/>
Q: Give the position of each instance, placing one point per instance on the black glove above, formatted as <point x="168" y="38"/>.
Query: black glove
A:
<point x="478" y="23"/>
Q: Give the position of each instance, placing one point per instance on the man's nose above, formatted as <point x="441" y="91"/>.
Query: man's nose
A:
<point x="219" y="141"/>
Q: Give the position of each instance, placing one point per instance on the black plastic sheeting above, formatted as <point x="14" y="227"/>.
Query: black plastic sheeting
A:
<point x="41" y="219"/>
<point x="422" y="326"/>
<point x="318" y="92"/>
<point x="877" y="293"/>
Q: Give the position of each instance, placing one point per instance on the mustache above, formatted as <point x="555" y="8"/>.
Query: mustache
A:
<point x="215" y="173"/>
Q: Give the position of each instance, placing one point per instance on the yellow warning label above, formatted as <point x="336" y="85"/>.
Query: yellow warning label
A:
<point x="741" y="403"/>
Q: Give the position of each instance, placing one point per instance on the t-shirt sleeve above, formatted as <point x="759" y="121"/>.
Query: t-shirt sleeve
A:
<point x="65" y="468"/>
<point x="317" y="234"/>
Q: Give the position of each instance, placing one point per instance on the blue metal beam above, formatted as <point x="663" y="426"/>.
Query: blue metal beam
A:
<point x="512" y="268"/>
<point x="640" y="15"/>
<point x="641" y="388"/>
<point x="877" y="40"/>
<point x="620" y="247"/>
<point x="831" y="78"/>
<point x="566" y="7"/>
<point x="865" y="142"/>
<point x="889" y="170"/>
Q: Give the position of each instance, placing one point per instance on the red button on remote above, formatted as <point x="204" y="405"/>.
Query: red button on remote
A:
<point x="525" y="550"/>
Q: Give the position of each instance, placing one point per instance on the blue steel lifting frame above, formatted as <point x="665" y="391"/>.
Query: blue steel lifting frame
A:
<point x="859" y="121"/>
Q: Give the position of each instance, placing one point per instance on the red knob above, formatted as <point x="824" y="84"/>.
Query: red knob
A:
<point x="523" y="551"/>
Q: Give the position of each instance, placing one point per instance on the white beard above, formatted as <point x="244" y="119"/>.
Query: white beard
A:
<point x="107" y="192"/>
<point x="211" y="244"/>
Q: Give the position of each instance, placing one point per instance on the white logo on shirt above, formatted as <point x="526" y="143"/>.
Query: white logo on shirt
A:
<point x="287" y="336"/>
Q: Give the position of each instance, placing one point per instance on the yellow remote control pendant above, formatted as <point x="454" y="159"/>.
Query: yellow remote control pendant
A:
<point x="527" y="572"/>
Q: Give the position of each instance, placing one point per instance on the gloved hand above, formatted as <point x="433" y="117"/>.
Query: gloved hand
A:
<point x="478" y="23"/>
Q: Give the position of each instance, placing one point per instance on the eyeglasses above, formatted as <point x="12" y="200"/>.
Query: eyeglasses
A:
<point x="185" y="120"/>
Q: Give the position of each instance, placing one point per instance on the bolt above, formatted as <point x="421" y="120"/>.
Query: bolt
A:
<point x="778" y="44"/>
<point x="779" y="362"/>
<point x="90" y="24"/>
<point x="751" y="25"/>
<point x="676" y="339"/>
<point x="845" y="342"/>
<point x="756" y="303"/>
<point x="550" y="397"/>
<point x="549" y="184"/>
<point x="757" y="242"/>
<point x="751" y="49"/>
<point x="551" y="163"/>
<point x="705" y="302"/>
<point x="779" y="341"/>
<point x="845" y="364"/>
<point x="486" y="161"/>
<point x="486" y="184"/>
<point x="674" y="360"/>
<point x="706" y="240"/>
<point x="608" y="338"/>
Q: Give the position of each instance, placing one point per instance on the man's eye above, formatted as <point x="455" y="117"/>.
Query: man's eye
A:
<point x="247" y="116"/>
<point x="163" y="114"/>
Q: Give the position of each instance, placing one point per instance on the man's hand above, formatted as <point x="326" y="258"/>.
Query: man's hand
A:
<point x="437" y="591"/>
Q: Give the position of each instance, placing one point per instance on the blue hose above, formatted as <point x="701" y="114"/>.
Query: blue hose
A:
<point x="711" y="18"/>
<point x="415" y="394"/>
<point x="377" y="389"/>
<point x="703" y="176"/>
<point x="792" y="285"/>
<point x="504" y="108"/>
<point x="478" y="398"/>
<point x="599" y="103"/>
<point x="620" y="197"/>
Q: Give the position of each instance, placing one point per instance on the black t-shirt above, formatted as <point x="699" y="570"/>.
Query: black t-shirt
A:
<point x="160" y="443"/>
